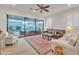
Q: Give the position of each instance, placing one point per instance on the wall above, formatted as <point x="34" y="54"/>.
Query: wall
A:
<point x="56" y="21"/>
<point x="59" y="22"/>
<point x="48" y="23"/>
<point x="2" y="21"/>
<point x="62" y="19"/>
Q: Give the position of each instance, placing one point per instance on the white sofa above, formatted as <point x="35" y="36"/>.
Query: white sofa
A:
<point x="67" y="44"/>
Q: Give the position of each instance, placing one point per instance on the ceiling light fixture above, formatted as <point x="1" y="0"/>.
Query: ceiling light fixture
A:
<point x="41" y="8"/>
<point x="33" y="10"/>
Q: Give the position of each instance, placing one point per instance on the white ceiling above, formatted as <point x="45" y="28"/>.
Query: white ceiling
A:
<point x="54" y="8"/>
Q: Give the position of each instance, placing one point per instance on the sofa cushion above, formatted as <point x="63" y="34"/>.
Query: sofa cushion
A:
<point x="71" y="42"/>
<point x="67" y="36"/>
<point x="73" y="39"/>
<point x="77" y="45"/>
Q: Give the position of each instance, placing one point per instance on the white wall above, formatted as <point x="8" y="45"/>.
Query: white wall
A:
<point x="3" y="21"/>
<point x="62" y="19"/>
<point x="56" y="21"/>
<point x="73" y="21"/>
<point x="59" y="22"/>
<point x="48" y="22"/>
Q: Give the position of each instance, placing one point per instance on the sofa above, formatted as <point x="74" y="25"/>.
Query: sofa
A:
<point x="69" y="43"/>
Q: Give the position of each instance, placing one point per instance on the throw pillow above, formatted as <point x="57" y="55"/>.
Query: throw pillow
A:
<point x="71" y="42"/>
<point x="67" y="37"/>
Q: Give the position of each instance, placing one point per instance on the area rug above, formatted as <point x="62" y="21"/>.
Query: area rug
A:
<point x="42" y="46"/>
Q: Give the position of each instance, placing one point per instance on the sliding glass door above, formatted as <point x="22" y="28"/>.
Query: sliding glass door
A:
<point x="29" y="26"/>
<point x="22" y="26"/>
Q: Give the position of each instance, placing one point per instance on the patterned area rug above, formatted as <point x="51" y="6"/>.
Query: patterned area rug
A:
<point x="42" y="46"/>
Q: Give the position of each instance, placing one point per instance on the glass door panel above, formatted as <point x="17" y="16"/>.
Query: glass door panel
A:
<point x="15" y="25"/>
<point x="39" y="26"/>
<point x="29" y="26"/>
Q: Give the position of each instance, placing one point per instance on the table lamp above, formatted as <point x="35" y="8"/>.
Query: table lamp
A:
<point x="69" y="29"/>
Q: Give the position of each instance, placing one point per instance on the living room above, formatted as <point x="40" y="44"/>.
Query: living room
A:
<point x="38" y="30"/>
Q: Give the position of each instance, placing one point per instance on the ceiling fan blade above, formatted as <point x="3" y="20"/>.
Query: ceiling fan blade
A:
<point x="47" y="6"/>
<point x="41" y="5"/>
<point x="46" y="10"/>
<point x="38" y="5"/>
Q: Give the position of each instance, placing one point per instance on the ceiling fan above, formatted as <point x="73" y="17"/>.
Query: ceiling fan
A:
<point x="42" y="8"/>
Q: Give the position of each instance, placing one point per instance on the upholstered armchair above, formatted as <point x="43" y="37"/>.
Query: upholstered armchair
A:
<point x="10" y="39"/>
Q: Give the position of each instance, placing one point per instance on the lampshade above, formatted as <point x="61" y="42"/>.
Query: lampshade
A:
<point x="69" y="28"/>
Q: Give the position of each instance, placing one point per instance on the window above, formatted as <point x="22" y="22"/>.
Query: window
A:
<point x="23" y="26"/>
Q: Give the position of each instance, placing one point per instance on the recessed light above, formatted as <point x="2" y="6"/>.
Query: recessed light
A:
<point x="33" y="10"/>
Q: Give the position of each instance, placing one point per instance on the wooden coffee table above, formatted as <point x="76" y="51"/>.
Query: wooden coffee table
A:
<point x="48" y="36"/>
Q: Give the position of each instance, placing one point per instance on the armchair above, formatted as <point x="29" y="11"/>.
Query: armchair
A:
<point x="10" y="39"/>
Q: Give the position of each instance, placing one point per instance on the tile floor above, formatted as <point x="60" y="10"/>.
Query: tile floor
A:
<point x="21" y="48"/>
